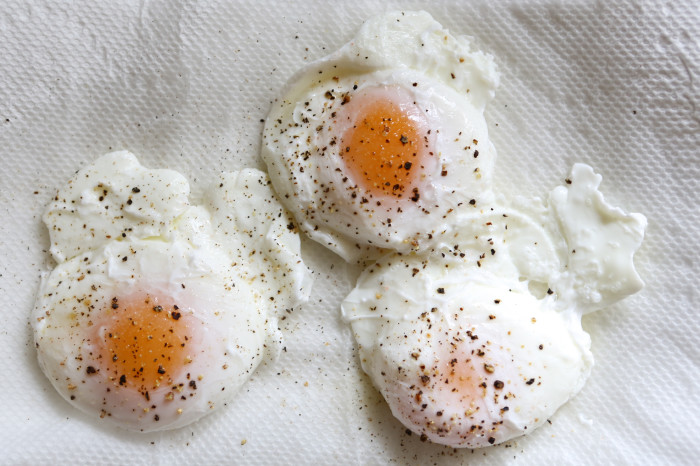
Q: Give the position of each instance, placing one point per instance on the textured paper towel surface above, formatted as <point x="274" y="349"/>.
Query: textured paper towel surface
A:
<point x="185" y="84"/>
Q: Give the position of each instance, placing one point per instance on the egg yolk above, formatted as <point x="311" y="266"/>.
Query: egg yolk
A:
<point x="144" y="342"/>
<point x="448" y="399"/>
<point x="387" y="148"/>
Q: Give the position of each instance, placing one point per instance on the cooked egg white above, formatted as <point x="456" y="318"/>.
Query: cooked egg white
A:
<point x="158" y="310"/>
<point x="462" y="356"/>
<point x="379" y="145"/>
<point x="478" y="342"/>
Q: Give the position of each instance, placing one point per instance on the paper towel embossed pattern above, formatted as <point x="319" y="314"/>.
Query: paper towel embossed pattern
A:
<point x="469" y="322"/>
<point x="158" y="310"/>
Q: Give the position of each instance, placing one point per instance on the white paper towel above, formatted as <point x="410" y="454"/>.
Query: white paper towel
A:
<point x="185" y="85"/>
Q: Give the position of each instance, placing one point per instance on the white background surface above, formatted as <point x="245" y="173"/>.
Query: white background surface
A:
<point x="184" y="85"/>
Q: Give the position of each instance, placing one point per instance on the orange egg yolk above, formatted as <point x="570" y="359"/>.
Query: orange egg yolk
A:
<point x="454" y="382"/>
<point x="461" y="379"/>
<point x="144" y="342"/>
<point x="446" y="400"/>
<point x="387" y="148"/>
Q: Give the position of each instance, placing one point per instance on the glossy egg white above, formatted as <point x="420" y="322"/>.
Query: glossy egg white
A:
<point x="158" y="310"/>
<point x="480" y="342"/>
<point x="428" y="78"/>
